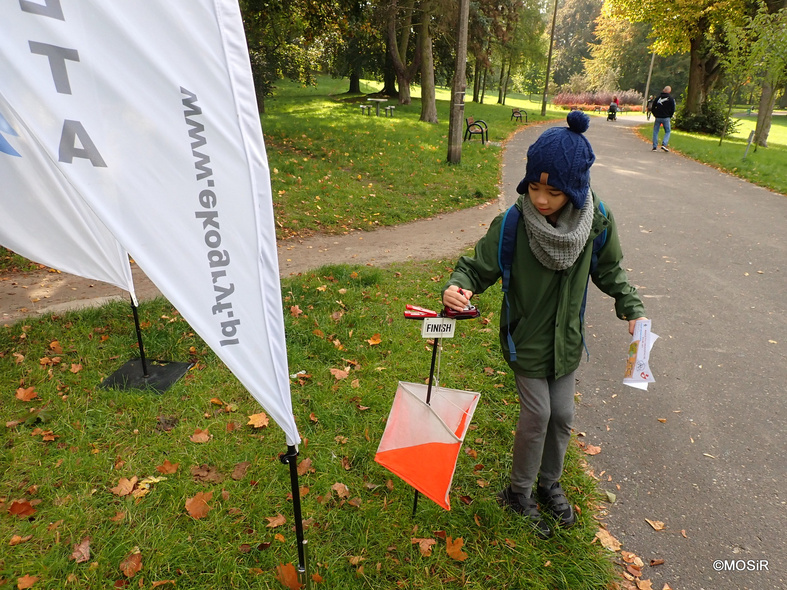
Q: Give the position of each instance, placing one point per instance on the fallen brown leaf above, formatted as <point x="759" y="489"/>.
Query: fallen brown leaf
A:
<point x="375" y="340"/>
<point x="81" y="552"/>
<point x="166" y="467"/>
<point x="339" y="374"/>
<point x="607" y="540"/>
<point x="591" y="450"/>
<point x="206" y="474"/>
<point x="131" y="565"/>
<point x="197" y="507"/>
<point x="305" y="467"/>
<point x="424" y="545"/>
<point x="17" y="540"/>
<point x="200" y="436"/>
<point x="341" y="490"/>
<point x="21" y="509"/>
<point x="275" y="521"/>
<point x="239" y="472"/>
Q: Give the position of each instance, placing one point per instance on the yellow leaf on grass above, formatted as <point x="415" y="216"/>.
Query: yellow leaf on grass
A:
<point x="656" y="524"/>
<point x="216" y="401"/>
<point x="424" y="545"/>
<point x="75" y="368"/>
<point x="607" y="540"/>
<point x="131" y="565"/>
<point x="197" y="507"/>
<point x="17" y="540"/>
<point x="124" y="487"/>
<point x="288" y="576"/>
<point x="258" y="420"/>
<point x="200" y="436"/>
<point x="162" y="582"/>
<point x="375" y="340"/>
<point x="454" y="549"/>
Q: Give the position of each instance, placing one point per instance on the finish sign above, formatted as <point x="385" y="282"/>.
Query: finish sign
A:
<point x="438" y="328"/>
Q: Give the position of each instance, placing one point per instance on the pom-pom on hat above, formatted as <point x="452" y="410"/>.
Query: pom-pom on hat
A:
<point x="562" y="158"/>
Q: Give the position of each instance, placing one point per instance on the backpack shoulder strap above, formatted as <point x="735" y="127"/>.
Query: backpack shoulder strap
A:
<point x="599" y="240"/>
<point x="507" y="243"/>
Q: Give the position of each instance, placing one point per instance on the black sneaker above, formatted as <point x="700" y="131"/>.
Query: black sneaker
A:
<point x="664" y="148"/>
<point x="527" y="507"/>
<point x="554" y="501"/>
<point x="654" y="149"/>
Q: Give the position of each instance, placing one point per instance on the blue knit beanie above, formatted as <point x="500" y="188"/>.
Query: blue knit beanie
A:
<point x="561" y="158"/>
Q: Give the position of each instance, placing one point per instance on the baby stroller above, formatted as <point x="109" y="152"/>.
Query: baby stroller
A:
<point x="612" y="113"/>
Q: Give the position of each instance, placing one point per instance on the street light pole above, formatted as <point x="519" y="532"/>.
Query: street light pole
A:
<point x="647" y="85"/>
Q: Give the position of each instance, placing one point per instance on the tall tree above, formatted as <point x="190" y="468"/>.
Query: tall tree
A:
<point x="428" y="106"/>
<point x="685" y="26"/>
<point x="399" y="25"/>
<point x="771" y="53"/>
<point x="574" y="37"/>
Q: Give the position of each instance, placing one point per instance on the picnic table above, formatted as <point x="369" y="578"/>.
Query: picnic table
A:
<point x="378" y="101"/>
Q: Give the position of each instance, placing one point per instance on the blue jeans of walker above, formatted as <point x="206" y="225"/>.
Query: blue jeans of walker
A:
<point x="657" y="123"/>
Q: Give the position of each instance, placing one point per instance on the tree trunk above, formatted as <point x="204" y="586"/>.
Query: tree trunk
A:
<point x="476" y="79"/>
<point x="458" y="87"/>
<point x="500" y="82"/>
<point x="693" y="100"/>
<point x="508" y="79"/>
<point x="764" y="114"/>
<point x="403" y="74"/>
<point x="483" y="87"/>
<point x="355" y="82"/>
<point x="389" y="75"/>
<point x="428" y="106"/>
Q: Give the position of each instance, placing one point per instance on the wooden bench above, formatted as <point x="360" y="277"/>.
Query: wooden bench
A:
<point x="516" y="115"/>
<point x="476" y="127"/>
<point x="366" y="109"/>
<point x="389" y="110"/>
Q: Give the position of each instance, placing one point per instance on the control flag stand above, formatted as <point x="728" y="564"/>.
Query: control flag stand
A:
<point x="143" y="374"/>
<point x="427" y="423"/>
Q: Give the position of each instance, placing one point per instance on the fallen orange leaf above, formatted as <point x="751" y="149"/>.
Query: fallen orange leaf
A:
<point x="592" y="450"/>
<point x="26" y="581"/>
<point x="341" y="490"/>
<point x="454" y="549"/>
<point x="55" y="347"/>
<point x="162" y="582"/>
<point x="17" y="540"/>
<point x="295" y="311"/>
<point x="197" y="506"/>
<point x="374" y="340"/>
<point x="76" y="367"/>
<point x="305" y="466"/>
<point x="124" y="487"/>
<point x="166" y="467"/>
<point x="288" y="575"/>
<point x="258" y="420"/>
<point x="27" y="394"/>
<point x="21" y="508"/>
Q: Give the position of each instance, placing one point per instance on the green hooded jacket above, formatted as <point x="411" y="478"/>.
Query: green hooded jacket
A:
<point x="545" y="304"/>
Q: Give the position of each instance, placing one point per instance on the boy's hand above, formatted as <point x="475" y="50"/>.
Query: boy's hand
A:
<point x="633" y="323"/>
<point x="456" y="298"/>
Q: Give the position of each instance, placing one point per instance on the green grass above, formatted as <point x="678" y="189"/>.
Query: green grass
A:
<point x="335" y="171"/>
<point x="100" y="436"/>
<point x="12" y="262"/>
<point x="765" y="167"/>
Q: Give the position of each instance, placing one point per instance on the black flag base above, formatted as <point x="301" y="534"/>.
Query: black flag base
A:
<point x="161" y="375"/>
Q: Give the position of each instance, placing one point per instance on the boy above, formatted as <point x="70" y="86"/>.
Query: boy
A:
<point x="541" y="331"/>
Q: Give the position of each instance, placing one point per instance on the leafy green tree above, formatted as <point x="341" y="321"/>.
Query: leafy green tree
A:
<point x="770" y="51"/>
<point x="574" y="37"/>
<point x="686" y="26"/>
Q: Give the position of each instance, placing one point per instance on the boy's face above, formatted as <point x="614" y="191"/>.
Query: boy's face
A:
<point x="547" y="199"/>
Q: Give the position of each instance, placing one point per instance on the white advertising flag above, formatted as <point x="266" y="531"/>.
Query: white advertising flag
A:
<point x="43" y="217"/>
<point x="148" y="109"/>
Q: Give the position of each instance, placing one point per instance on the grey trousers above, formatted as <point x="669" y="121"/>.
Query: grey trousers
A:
<point x="546" y="412"/>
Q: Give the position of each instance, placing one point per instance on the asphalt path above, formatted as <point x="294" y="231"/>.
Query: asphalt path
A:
<point x="702" y="450"/>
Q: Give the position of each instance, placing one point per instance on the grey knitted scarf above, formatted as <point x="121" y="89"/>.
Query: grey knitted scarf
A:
<point x="558" y="247"/>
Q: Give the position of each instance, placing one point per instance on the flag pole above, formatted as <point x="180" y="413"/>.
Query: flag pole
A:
<point x="145" y="372"/>
<point x="290" y="458"/>
<point x="428" y="400"/>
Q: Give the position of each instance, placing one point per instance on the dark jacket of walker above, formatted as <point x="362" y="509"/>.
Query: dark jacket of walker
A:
<point x="663" y="106"/>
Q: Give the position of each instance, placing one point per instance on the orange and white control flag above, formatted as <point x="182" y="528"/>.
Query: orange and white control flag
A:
<point x="421" y="442"/>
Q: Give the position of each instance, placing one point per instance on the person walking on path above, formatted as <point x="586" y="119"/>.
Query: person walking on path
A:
<point x="541" y="330"/>
<point x="649" y="106"/>
<point x="663" y="108"/>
